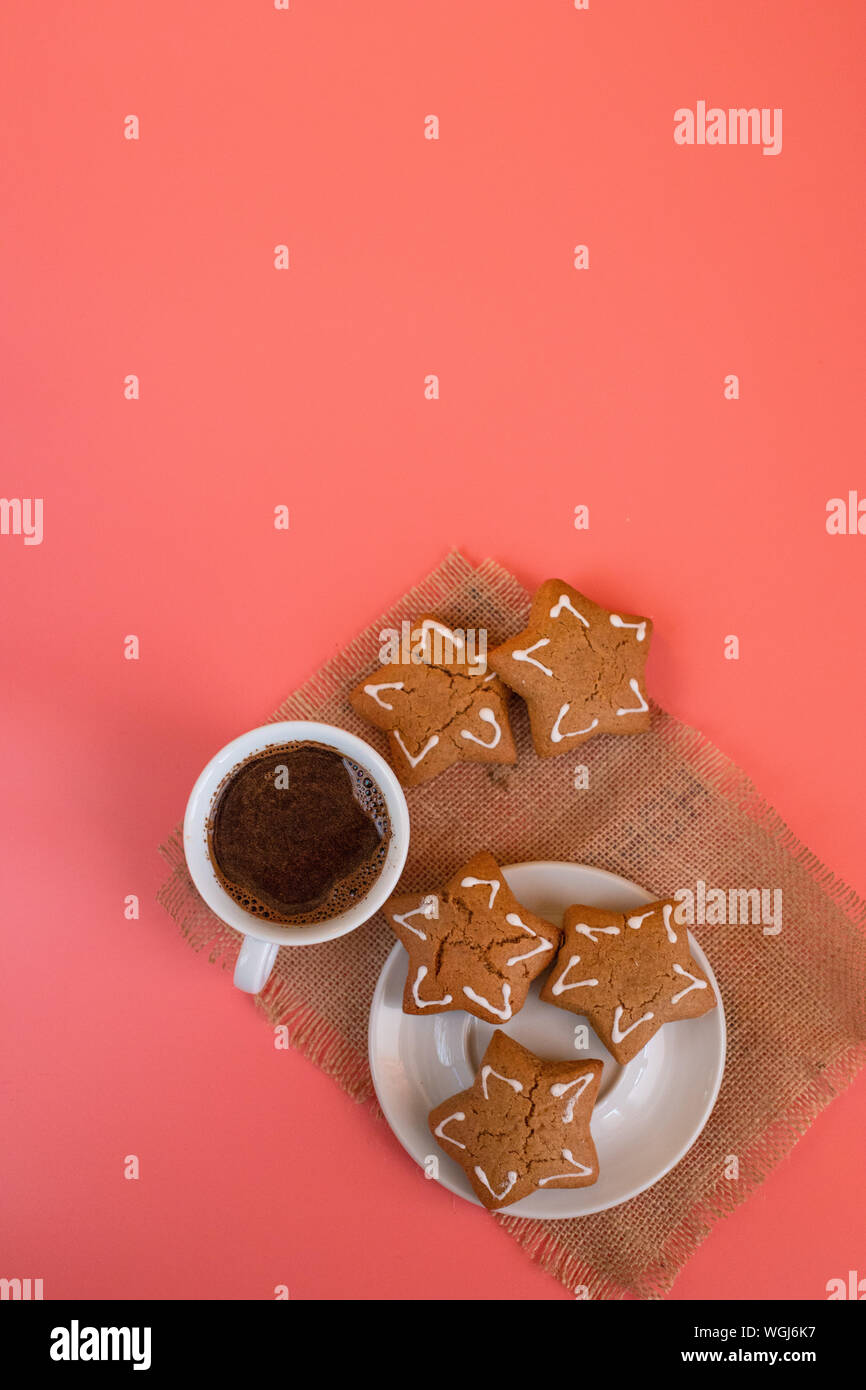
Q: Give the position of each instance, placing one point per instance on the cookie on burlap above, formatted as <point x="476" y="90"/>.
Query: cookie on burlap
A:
<point x="579" y="667"/>
<point x="628" y="974"/>
<point x="472" y="945"/>
<point x="437" y="707"/>
<point x="522" y="1124"/>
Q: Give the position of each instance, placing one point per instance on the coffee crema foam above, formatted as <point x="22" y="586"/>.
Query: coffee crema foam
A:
<point x="302" y="853"/>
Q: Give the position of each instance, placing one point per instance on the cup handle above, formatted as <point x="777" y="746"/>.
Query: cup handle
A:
<point x="254" y="964"/>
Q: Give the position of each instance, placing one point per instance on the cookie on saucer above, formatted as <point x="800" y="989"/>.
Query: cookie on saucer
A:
<point x="628" y="973"/>
<point x="523" y="1124"/>
<point x="471" y="944"/>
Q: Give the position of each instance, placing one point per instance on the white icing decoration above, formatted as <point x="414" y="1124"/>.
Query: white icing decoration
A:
<point x="666" y="918"/>
<point x="523" y="655"/>
<point x="429" y="908"/>
<point x="588" y="931"/>
<point x="509" y="1081"/>
<point x="635" y="709"/>
<point x="639" y="918"/>
<point x="513" y="920"/>
<point x="561" y="1088"/>
<point x="504" y="1013"/>
<point x="637" y="921"/>
<point x="373" y="692"/>
<point x="616" y="1033"/>
<point x="426" y="1003"/>
<point x="439" y="1131"/>
<point x="527" y="955"/>
<point x="444" y="631"/>
<point x="565" y="602"/>
<point x="639" y="628"/>
<point x="569" y="1158"/>
<point x="491" y="883"/>
<point x="696" y="984"/>
<point x="431" y="743"/>
<point x="556" y="735"/>
<point x="511" y="1180"/>
<point x="489" y="718"/>
<point x="560" y="988"/>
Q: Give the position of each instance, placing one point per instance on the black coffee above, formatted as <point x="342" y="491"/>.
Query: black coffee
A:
<point x="298" y="833"/>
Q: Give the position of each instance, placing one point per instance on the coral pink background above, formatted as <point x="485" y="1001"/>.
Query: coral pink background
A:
<point x="604" y="387"/>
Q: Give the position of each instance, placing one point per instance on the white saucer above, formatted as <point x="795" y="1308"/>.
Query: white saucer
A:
<point x="648" y="1113"/>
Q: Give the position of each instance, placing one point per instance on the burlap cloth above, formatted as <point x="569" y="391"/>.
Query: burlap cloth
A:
<point x="664" y="808"/>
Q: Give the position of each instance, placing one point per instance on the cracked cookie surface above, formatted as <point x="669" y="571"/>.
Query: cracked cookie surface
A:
<point x="579" y="667"/>
<point x="471" y="945"/>
<point x="628" y="974"/>
<point x="437" y="707"/>
<point x="522" y="1125"/>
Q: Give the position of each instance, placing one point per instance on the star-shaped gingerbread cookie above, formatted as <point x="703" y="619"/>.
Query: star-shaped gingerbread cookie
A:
<point x="523" y="1124"/>
<point x="579" y="667"/>
<point x="628" y="973"/>
<point x="472" y="945"/>
<point x="438" y="703"/>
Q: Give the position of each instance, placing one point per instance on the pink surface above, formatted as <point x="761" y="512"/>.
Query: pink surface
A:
<point x="258" y="388"/>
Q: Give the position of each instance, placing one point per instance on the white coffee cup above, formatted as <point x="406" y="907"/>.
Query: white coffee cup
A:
<point x="263" y="939"/>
